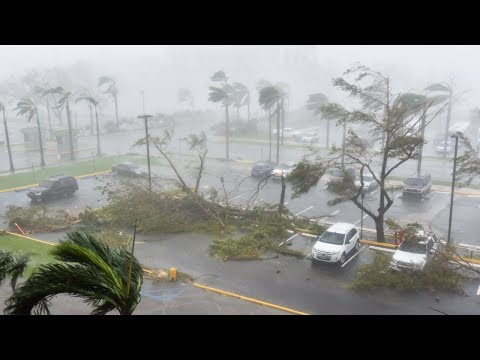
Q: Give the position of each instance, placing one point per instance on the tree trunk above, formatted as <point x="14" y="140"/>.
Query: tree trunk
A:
<point x="7" y="138"/>
<point x="379" y="228"/>
<point x="49" y="120"/>
<point x="91" y="119"/>
<point x="420" y="150"/>
<point x="42" y="159"/>
<point x="99" y="152"/>
<point x="227" y="133"/>
<point x="116" y="109"/>
<point x="343" y="144"/>
<point x="277" y="159"/>
<point x="281" y="205"/>
<point x="70" y="133"/>
<point x="248" y="109"/>
<point x="238" y="113"/>
<point x="283" y="118"/>
<point x="448" y="124"/>
<point x="328" y="134"/>
<point x="270" y="134"/>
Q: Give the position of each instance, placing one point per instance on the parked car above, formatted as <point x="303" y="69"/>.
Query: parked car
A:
<point x="336" y="243"/>
<point x="369" y="182"/>
<point x="286" y="131"/>
<point x="338" y="175"/>
<point x="414" y="254"/>
<point x="310" y="138"/>
<point x="55" y="186"/>
<point x="417" y="186"/>
<point x="262" y="169"/>
<point x="441" y="147"/>
<point x="282" y="169"/>
<point x="129" y="169"/>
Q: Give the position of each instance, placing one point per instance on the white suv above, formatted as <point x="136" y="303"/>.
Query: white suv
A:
<point x="413" y="255"/>
<point x="335" y="243"/>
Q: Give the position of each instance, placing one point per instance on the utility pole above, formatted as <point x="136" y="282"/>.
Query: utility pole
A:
<point x="145" y="117"/>
<point x="453" y="187"/>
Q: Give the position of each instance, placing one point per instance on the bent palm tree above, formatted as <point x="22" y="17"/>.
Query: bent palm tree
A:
<point x="222" y="94"/>
<point x="64" y="100"/>
<point x="13" y="266"/>
<point x="106" y="278"/>
<point x="268" y="97"/>
<point x="27" y="107"/>
<point x="241" y="97"/>
<point x="91" y="101"/>
<point x="7" y="138"/>
<point x="112" y="90"/>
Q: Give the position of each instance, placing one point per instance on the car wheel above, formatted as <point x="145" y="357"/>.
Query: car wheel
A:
<point x="357" y="245"/>
<point x="342" y="259"/>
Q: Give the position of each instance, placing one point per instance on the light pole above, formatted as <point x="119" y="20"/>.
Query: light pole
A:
<point x="453" y="186"/>
<point x="145" y="116"/>
<point x="361" y="218"/>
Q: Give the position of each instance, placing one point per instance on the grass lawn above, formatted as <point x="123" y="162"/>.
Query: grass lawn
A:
<point x="76" y="168"/>
<point x="38" y="252"/>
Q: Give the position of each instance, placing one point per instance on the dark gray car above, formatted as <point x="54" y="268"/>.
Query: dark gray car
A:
<point x="262" y="169"/>
<point x="417" y="186"/>
<point x="55" y="186"/>
<point x="129" y="169"/>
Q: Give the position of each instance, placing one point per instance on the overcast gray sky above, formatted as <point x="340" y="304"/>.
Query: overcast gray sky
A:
<point x="162" y="70"/>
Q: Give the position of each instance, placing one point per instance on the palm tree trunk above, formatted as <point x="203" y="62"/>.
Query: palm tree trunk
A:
<point x="91" y="119"/>
<point x="116" y="109"/>
<point x="99" y="152"/>
<point x="49" y="120"/>
<point x="449" y="112"/>
<point x="277" y="159"/>
<point x="270" y="134"/>
<point x="343" y="144"/>
<point x="227" y="133"/>
<point x="42" y="159"/>
<point x="420" y="149"/>
<point x="70" y="133"/>
<point x="283" y="118"/>
<point x="328" y="134"/>
<point x="7" y="138"/>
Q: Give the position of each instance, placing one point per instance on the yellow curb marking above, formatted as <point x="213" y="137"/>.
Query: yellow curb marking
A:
<point x="250" y="299"/>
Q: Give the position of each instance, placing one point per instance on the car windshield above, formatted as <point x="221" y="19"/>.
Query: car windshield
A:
<point x="413" y="247"/>
<point x="132" y="166"/>
<point x="46" y="183"/>
<point x="414" y="182"/>
<point x="332" y="238"/>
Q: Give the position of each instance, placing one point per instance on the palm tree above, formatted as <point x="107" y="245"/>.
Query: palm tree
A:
<point x="223" y="94"/>
<point x="28" y="108"/>
<point x="268" y="97"/>
<point x="315" y="103"/>
<point x="267" y="106"/>
<point x="186" y="96"/>
<point x="13" y="266"/>
<point x="241" y="97"/>
<point x="106" y="278"/>
<point x="92" y="102"/>
<point x="112" y="90"/>
<point x="39" y="90"/>
<point x="64" y="101"/>
<point x="7" y="138"/>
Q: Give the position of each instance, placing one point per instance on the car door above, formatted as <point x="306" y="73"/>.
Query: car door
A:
<point x="349" y="243"/>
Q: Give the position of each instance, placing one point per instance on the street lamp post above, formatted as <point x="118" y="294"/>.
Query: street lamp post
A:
<point x="361" y="218"/>
<point x="453" y="186"/>
<point x="145" y="117"/>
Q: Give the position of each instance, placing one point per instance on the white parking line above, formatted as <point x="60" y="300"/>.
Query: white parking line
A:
<point x="300" y="212"/>
<point x="398" y="195"/>
<point x="290" y="238"/>
<point x="373" y="192"/>
<point x="381" y="248"/>
<point x="286" y="203"/>
<point x="358" y="252"/>
<point x="325" y="187"/>
<point x="326" y="217"/>
<point x="235" y="197"/>
<point x="355" y="223"/>
<point x="478" y="291"/>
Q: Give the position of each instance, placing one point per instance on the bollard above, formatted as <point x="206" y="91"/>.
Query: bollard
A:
<point x="173" y="274"/>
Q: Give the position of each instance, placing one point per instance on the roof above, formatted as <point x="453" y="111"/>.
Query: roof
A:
<point x="340" y="227"/>
<point x="58" y="177"/>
